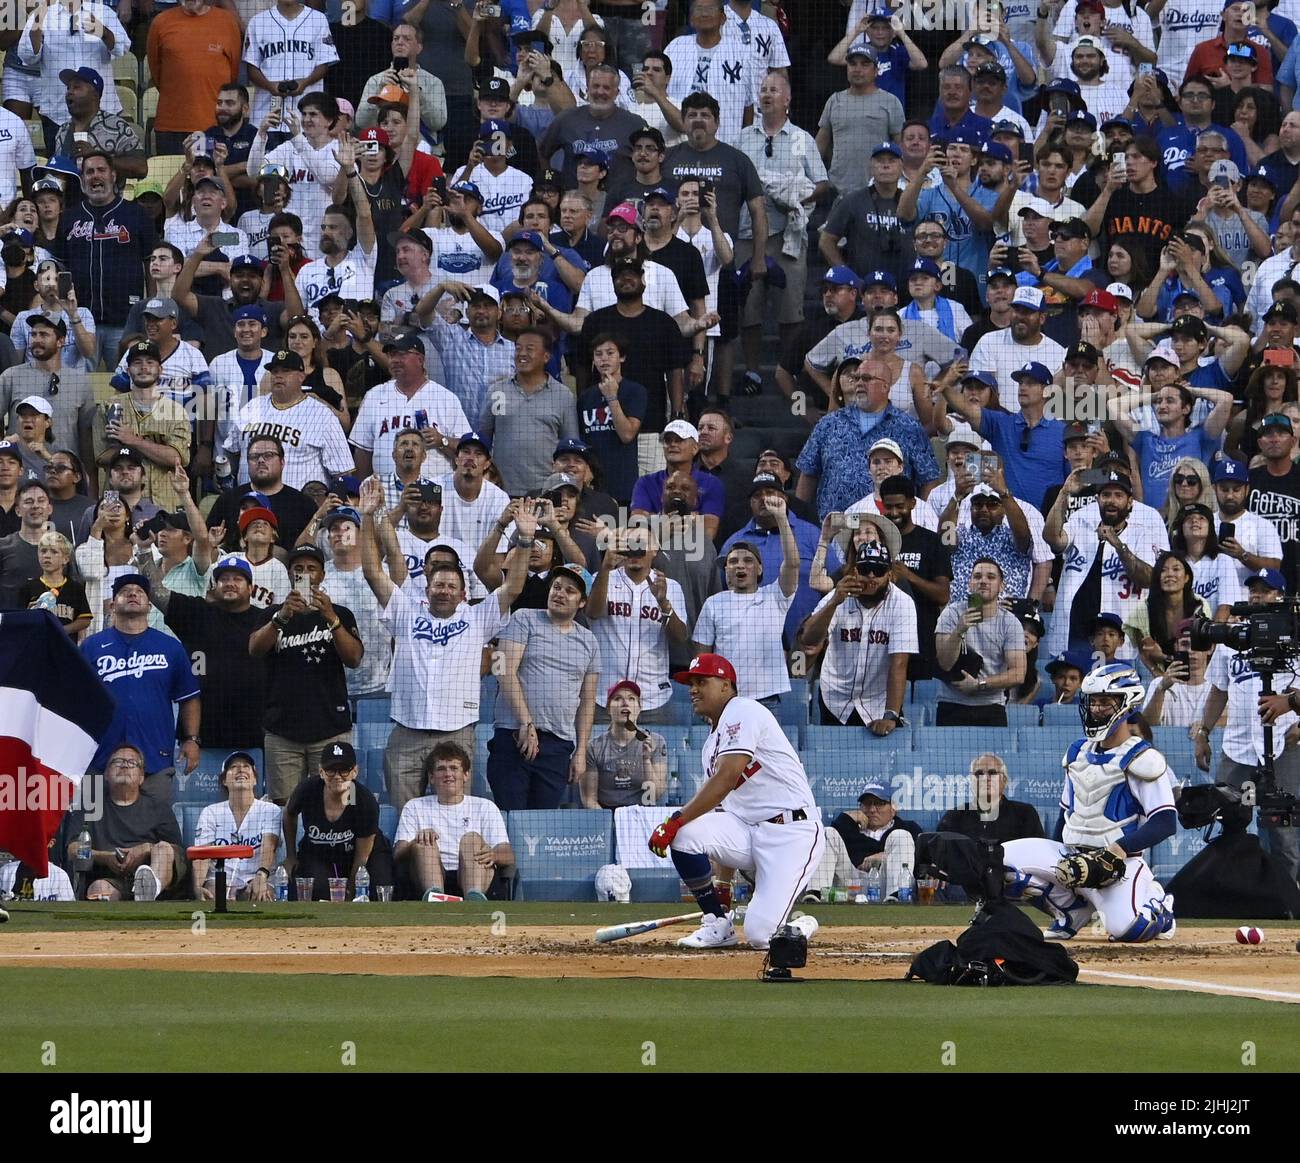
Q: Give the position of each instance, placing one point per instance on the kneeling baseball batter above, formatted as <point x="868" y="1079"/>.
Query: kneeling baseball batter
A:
<point x="755" y="812"/>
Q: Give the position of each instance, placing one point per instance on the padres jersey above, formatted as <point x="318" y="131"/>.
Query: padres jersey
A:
<point x="774" y="780"/>
<point x="217" y="826"/>
<point x="315" y="448"/>
<point x="287" y="49"/>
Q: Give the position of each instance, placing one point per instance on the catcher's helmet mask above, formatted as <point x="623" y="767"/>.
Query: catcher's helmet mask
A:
<point x="1119" y="685"/>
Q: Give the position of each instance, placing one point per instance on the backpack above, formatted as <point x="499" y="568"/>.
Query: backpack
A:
<point x="1001" y="947"/>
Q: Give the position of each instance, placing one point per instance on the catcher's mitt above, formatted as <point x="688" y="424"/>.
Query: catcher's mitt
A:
<point x="1096" y="868"/>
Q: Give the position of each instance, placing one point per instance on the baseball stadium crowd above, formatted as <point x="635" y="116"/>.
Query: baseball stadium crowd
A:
<point x="484" y="361"/>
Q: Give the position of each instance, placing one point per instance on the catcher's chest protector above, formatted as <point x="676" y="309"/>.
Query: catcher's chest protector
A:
<point x="1099" y="808"/>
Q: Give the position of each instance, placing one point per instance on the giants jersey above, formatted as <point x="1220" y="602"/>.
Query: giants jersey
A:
<point x="1108" y="794"/>
<point x="774" y="780"/>
<point x="287" y="49"/>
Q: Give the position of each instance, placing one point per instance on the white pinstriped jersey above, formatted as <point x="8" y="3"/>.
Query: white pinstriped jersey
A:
<point x="287" y="50"/>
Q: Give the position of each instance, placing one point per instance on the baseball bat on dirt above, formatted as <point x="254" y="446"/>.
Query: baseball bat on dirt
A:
<point x="634" y="928"/>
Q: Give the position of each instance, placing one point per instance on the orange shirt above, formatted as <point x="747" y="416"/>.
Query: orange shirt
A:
<point x="191" y="57"/>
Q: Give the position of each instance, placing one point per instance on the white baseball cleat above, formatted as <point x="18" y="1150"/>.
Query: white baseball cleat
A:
<point x="713" y="933"/>
<point x="146" y="886"/>
<point x="1168" y="934"/>
<point x="4" y="916"/>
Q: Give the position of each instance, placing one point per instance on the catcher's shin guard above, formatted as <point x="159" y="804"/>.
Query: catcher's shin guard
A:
<point x="1153" y="918"/>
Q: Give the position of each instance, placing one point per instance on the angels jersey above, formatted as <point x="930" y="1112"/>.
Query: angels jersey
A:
<point x="774" y="780"/>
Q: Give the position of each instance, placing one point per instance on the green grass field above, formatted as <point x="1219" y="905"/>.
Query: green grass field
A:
<point x="131" y="1020"/>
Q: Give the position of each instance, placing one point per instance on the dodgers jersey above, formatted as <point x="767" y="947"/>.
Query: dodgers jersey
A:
<point x="1108" y="794"/>
<point x="217" y="826"/>
<point x="774" y="781"/>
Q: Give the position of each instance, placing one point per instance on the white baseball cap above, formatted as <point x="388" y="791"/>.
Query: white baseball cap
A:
<point x="963" y="434"/>
<point x="888" y="446"/>
<point x="1040" y="206"/>
<point x="1164" y="350"/>
<point x="1121" y="291"/>
<point x="39" y="404"/>
<point x="1030" y="297"/>
<point x="683" y="428"/>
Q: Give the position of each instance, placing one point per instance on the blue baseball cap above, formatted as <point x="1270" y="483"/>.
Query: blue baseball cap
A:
<point x="246" y="262"/>
<point x="925" y="266"/>
<point x="468" y="187"/>
<point x="531" y="237"/>
<point x="876" y="790"/>
<point x="248" y="311"/>
<point x="862" y="48"/>
<point x="1270" y="577"/>
<point x="342" y="513"/>
<point x="236" y="561"/>
<point x="1229" y="470"/>
<point x="1002" y="273"/>
<point x="1033" y="370"/>
<point x="86" y="74"/>
<point x="1082" y="117"/>
<point x="484" y="442"/>
<point x="594" y="155"/>
<point x="965" y="137"/>
<point x="998" y="152"/>
<point x="879" y="279"/>
<point x="573" y="445"/>
<point x="1080" y="660"/>
<point x="1005" y="126"/>
<point x="1245" y="50"/>
<point x="842" y="277"/>
<point x="1107" y="619"/>
<point x="1259" y="173"/>
<point x="988" y="379"/>
<point x="1065" y="85"/>
<point x="1124" y="121"/>
<point x="662" y="192"/>
<point x="887" y="147"/>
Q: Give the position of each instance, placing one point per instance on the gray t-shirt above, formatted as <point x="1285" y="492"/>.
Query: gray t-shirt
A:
<point x="735" y="180"/>
<point x="73" y="403"/>
<point x="1231" y="234"/>
<point x="552" y="671"/>
<point x="992" y="640"/>
<point x="858" y="124"/>
<point x="18" y="564"/>
<point x="581" y="124"/>
<point x="525" y="428"/>
<point x="622" y="774"/>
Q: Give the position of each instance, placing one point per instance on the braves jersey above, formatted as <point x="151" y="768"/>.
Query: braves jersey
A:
<point x="1108" y="794"/>
<point x="1145" y="535"/>
<point x="287" y="49"/>
<point x="314" y="445"/>
<point x="457" y="256"/>
<point x="385" y="411"/>
<point x="105" y="247"/>
<point x="436" y="661"/>
<point x="859" y="644"/>
<point x="633" y="638"/>
<point x="217" y="826"/>
<point x="503" y="195"/>
<point x="773" y="780"/>
<point x="353" y="278"/>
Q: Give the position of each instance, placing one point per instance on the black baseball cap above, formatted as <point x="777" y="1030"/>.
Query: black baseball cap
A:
<point x="338" y="757"/>
<point x="1190" y="325"/>
<point x="405" y="341"/>
<point x="289" y="360"/>
<point x="1282" y="309"/>
<point x="652" y="133"/>
<point x="306" y="551"/>
<point x="1083" y="350"/>
<point x="143" y="348"/>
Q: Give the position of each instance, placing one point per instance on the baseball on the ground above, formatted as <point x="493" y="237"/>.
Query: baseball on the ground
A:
<point x="1249" y="935"/>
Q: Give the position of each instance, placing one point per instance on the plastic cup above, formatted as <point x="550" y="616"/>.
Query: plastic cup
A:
<point x="305" y="886"/>
<point x="338" y="889"/>
<point x="384" y="892"/>
<point x="925" y="889"/>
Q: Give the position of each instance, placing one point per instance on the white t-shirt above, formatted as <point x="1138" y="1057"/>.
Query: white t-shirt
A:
<point x="436" y="661"/>
<point x="1068" y="208"/>
<point x="452" y="822"/>
<point x="353" y="278"/>
<point x="503" y="195"/>
<point x="217" y="826"/>
<point x="725" y="71"/>
<point x="1258" y="536"/>
<point x="457" y="256"/>
<point x="16" y="153"/>
<point x="287" y="50"/>
<point x="1214" y="580"/>
<point x="860" y="642"/>
<point x="470" y="521"/>
<point x="633" y="640"/>
<point x="775" y="780"/>
<point x="1243" y="737"/>
<point x="385" y="410"/>
<point x="746" y="630"/>
<point x="1182" y="706"/>
<point x="661" y="290"/>
<point x="999" y="353"/>
<point x="56" y="886"/>
<point x="186" y="235"/>
<point x="1145" y="535"/>
<point x="314" y="445"/>
<point x="414" y="548"/>
<point x="702" y="240"/>
<point x="349" y="588"/>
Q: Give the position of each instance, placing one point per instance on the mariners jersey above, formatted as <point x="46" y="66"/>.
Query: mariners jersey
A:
<point x="217" y="826"/>
<point x="1108" y="794"/>
<point x="287" y="49"/>
<point x="774" y="780"/>
<point x="314" y="445"/>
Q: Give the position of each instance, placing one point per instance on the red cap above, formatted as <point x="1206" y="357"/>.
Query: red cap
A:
<point x="375" y="134"/>
<point x="248" y="516"/>
<point x="623" y="684"/>
<point x="1101" y="299"/>
<point x="707" y="666"/>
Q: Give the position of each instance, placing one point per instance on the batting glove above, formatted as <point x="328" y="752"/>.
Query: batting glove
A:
<point x="662" y="837"/>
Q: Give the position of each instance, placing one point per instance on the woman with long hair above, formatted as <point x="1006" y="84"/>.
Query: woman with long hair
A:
<point x="322" y="382"/>
<point x="1189" y="483"/>
<point x="1156" y="624"/>
<point x="985" y="395"/>
<point x="1270" y="387"/>
<point x="1128" y="266"/>
<point x="907" y="387"/>
<point x="1256" y="117"/>
<point x="1214" y="574"/>
<point x="105" y="553"/>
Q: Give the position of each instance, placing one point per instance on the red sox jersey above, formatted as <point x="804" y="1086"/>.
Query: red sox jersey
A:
<point x="774" y="780"/>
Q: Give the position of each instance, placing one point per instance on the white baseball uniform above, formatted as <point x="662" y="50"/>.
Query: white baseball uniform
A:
<point x="314" y="445"/>
<point x="414" y="549"/>
<point x="768" y="824"/>
<point x="859" y="643"/>
<point x="633" y="638"/>
<point x="385" y="411"/>
<point x="1106" y="796"/>
<point x="287" y="50"/>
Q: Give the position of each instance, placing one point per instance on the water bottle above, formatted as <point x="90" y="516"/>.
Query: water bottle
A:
<point x="47" y="601"/>
<point x="362" y="894"/>
<point x="279" y="883"/>
<point x="905" y="886"/>
<point x="874" y="885"/>
<point x="84" y="861"/>
<point x="673" y="794"/>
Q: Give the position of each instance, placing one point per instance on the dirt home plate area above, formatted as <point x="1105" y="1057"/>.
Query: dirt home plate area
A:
<point x="1204" y="960"/>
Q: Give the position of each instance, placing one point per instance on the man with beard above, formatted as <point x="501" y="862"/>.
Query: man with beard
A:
<point x="923" y="562"/>
<point x="999" y="289"/>
<point x="681" y="444"/>
<point x="67" y="391"/>
<point x="663" y="246"/>
<point x="998" y="530"/>
<point x="1250" y="539"/>
<point x="463" y="248"/>
<point x="1109" y="551"/>
<point x="1103" y="92"/>
<point x="107" y="265"/>
<point x="216" y="313"/>
<point x="841" y="301"/>
<point x="529" y="270"/>
<point x="471" y="504"/>
<point x="868" y="627"/>
<point x="472" y="356"/>
<point x="1275" y="488"/>
<point x="864" y="229"/>
<point x="293" y="511"/>
<point x="600" y="123"/>
<point x="412" y="254"/>
<point x="215" y="631"/>
<point x="236" y="133"/>
<point x="348" y="245"/>
<point x="1006" y="351"/>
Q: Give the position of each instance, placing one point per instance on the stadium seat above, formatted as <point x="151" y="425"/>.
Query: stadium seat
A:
<point x="837" y="777"/>
<point x="130" y="103"/>
<point x="372" y="773"/>
<point x="373" y="709"/>
<point x="371" y="734"/>
<point x="558" y="853"/>
<point x="203" y="784"/>
<point x="126" y="70"/>
<point x="1022" y="715"/>
<point x="148" y="114"/>
<point x="165" y="166"/>
<point x="187" y="818"/>
<point x="388" y="821"/>
<point x="1061" y="715"/>
<point x="656" y="884"/>
<point x="487" y="698"/>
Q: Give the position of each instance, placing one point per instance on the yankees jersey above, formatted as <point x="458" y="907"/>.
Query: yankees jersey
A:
<point x="452" y="822"/>
<point x="503" y="195"/>
<point x="217" y="826"/>
<point x="724" y="71"/>
<point x="860" y="641"/>
<point x="457" y="256"/>
<point x="633" y="638"/>
<point x="434" y="679"/>
<point x="1144" y="533"/>
<point x="385" y="411"/>
<point x="746" y="630"/>
<point x="314" y="445"/>
<point x="287" y="49"/>
<point x="774" y="781"/>
<point x="414" y="548"/>
<point x="762" y="36"/>
<point x="1108" y="794"/>
<point x="353" y="278"/>
<point x="1243" y="737"/>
